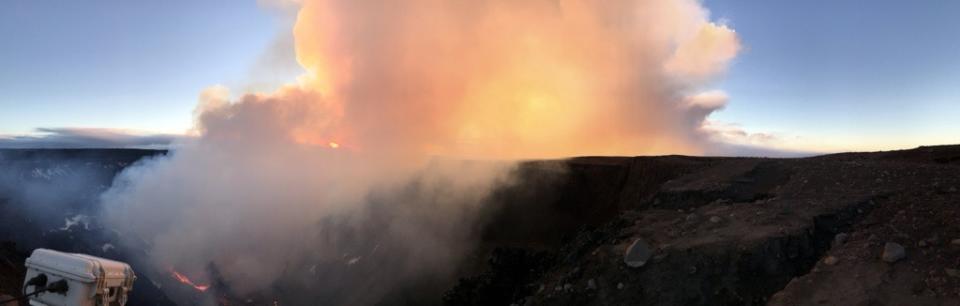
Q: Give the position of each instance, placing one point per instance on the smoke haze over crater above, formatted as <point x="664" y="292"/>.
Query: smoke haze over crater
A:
<point x="390" y="87"/>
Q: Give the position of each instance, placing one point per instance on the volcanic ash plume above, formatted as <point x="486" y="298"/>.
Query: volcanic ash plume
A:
<point x="513" y="78"/>
<point x="394" y="91"/>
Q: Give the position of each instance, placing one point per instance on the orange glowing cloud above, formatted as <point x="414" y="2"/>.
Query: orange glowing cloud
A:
<point x="511" y="79"/>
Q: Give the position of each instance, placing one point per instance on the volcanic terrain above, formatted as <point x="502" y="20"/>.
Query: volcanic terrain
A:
<point x="878" y="228"/>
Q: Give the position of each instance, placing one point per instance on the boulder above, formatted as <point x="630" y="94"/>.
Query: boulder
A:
<point x="840" y="239"/>
<point x="831" y="260"/>
<point x="637" y="254"/>
<point x="893" y="252"/>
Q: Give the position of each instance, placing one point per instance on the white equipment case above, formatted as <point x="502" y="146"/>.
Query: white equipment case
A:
<point x="92" y="281"/>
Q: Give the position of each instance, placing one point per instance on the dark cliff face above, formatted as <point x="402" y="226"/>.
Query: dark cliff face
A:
<point x="553" y="199"/>
<point x="723" y="231"/>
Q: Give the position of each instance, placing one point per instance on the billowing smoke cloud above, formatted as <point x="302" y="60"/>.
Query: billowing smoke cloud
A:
<point x="513" y="79"/>
<point x="393" y="91"/>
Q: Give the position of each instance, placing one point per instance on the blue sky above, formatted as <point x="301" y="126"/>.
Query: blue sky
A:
<point x="124" y="64"/>
<point x="846" y="74"/>
<point x="827" y="75"/>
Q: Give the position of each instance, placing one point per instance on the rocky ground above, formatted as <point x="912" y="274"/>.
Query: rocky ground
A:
<point x="748" y="231"/>
<point x="845" y="229"/>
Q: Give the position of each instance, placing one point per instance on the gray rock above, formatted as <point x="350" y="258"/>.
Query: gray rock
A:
<point x="840" y="239"/>
<point x="619" y="286"/>
<point x="692" y="218"/>
<point x="591" y="284"/>
<point x="715" y="219"/>
<point x="893" y="252"/>
<point x="637" y="254"/>
<point x="955" y="242"/>
<point x="568" y="287"/>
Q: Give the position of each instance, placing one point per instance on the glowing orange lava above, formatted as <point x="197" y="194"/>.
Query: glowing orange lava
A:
<point x="183" y="279"/>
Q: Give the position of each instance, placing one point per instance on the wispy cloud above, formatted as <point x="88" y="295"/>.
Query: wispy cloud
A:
<point x="88" y="138"/>
<point x="731" y="139"/>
